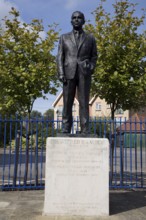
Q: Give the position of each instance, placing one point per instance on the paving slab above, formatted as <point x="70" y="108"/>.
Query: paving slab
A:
<point x="28" y="205"/>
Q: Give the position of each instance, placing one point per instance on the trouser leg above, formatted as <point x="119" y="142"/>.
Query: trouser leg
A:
<point x="69" y="89"/>
<point x="84" y="85"/>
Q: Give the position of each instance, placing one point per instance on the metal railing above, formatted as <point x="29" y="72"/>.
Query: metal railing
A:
<point x="23" y="147"/>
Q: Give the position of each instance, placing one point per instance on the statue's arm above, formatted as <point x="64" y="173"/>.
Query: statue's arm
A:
<point x="60" y="60"/>
<point x="94" y="54"/>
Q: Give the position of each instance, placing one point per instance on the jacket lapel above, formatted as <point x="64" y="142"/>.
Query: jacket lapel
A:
<point x="72" y="37"/>
<point x="82" y="38"/>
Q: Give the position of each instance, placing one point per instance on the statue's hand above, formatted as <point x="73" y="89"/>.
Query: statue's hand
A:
<point x="90" y="66"/>
<point x="62" y="79"/>
<point x="87" y="64"/>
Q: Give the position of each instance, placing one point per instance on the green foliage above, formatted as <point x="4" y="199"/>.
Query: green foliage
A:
<point x="7" y="130"/>
<point x="120" y="76"/>
<point x="100" y="126"/>
<point x="134" y="140"/>
<point x="33" y="131"/>
<point x="49" y="114"/>
<point x="28" y="68"/>
<point x="35" y="114"/>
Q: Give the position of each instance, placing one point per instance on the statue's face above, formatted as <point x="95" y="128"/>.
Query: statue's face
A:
<point x="77" y="20"/>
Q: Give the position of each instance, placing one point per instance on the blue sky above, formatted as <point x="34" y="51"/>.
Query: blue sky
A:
<point x="58" y="11"/>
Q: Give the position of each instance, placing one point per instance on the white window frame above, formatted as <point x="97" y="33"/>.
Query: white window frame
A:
<point x="98" y="106"/>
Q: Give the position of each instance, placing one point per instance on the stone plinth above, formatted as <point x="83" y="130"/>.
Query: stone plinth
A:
<point x="77" y="177"/>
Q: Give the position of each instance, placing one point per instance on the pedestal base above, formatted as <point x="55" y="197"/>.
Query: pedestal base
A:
<point x="77" y="177"/>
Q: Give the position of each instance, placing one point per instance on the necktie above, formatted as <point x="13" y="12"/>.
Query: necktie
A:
<point x="77" y="36"/>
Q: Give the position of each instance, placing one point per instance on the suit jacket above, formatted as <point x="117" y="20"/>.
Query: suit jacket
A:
<point x="69" y="55"/>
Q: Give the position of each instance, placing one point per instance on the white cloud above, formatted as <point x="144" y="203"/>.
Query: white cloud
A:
<point x="72" y="4"/>
<point x="43" y="34"/>
<point x="5" y="7"/>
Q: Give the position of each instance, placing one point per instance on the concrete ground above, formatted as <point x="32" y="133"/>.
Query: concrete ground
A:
<point x="28" y="205"/>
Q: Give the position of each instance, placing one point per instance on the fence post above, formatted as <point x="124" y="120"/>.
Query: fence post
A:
<point x="121" y="156"/>
<point x="36" y="156"/>
<point x="16" y="158"/>
<point x="121" y="163"/>
<point x="27" y="150"/>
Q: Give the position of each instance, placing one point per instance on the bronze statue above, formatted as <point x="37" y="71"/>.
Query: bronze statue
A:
<point x="76" y="60"/>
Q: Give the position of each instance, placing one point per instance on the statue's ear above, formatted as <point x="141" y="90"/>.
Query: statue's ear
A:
<point x="83" y="22"/>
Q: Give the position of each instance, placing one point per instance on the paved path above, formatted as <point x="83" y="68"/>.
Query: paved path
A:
<point x="28" y="205"/>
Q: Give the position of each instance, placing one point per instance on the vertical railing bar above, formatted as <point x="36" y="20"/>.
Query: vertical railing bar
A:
<point x="111" y="166"/>
<point x="4" y="154"/>
<point x="49" y="123"/>
<point x="36" y="155"/>
<point x="16" y="156"/>
<point x="141" y="165"/>
<point x="57" y="124"/>
<point x="135" y="147"/>
<point x="42" y="150"/>
<point x="115" y="151"/>
<point x="20" y="156"/>
<point x="100" y="127"/>
<point x="31" y="149"/>
<point x="121" y="158"/>
<point x="105" y="128"/>
<point x="125" y="147"/>
<point x="77" y="125"/>
<point x="52" y="124"/>
<point x="89" y="125"/>
<point x="1" y="140"/>
<point x="144" y="153"/>
<point x="131" y="152"/>
<point x="10" y="148"/>
<point x="26" y="153"/>
<point x="72" y="125"/>
<point x="95" y="122"/>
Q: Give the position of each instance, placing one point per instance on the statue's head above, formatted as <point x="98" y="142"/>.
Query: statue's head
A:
<point x="77" y="19"/>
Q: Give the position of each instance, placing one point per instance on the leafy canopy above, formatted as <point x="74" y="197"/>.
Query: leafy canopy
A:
<point x="120" y="73"/>
<point x="28" y="68"/>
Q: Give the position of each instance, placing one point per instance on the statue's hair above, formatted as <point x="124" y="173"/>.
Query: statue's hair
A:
<point x="80" y="13"/>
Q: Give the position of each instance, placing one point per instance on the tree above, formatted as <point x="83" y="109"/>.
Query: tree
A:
<point x="28" y="68"/>
<point x="36" y="114"/>
<point x="120" y="76"/>
<point x="120" y="73"/>
<point x="49" y="114"/>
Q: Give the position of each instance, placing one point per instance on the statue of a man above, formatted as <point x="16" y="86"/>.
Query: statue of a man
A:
<point x="76" y="60"/>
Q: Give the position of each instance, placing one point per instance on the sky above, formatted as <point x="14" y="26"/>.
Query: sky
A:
<point x="56" y="11"/>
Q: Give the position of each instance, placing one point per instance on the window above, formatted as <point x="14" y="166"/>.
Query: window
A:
<point x="98" y="106"/>
<point x="108" y="106"/>
<point x="59" y="111"/>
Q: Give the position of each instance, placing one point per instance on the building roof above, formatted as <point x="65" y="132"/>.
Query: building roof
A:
<point x="92" y="99"/>
<point x="59" y="97"/>
<point x="136" y="123"/>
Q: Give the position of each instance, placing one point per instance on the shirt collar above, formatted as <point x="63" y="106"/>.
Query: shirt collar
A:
<point x="76" y="32"/>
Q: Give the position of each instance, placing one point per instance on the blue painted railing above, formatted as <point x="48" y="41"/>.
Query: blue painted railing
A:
<point x="23" y="147"/>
